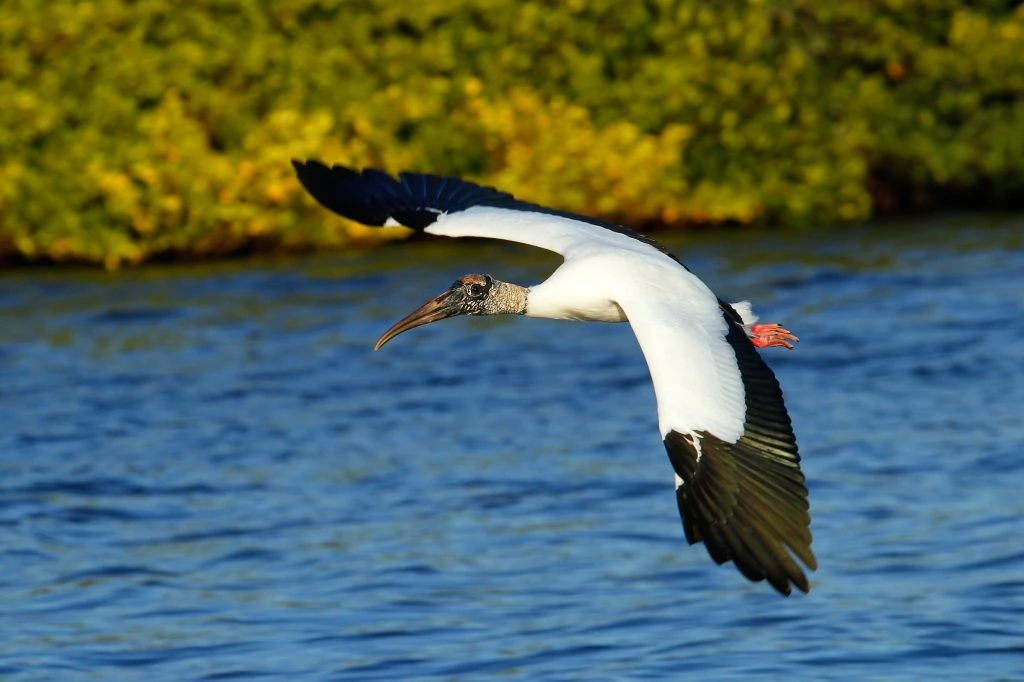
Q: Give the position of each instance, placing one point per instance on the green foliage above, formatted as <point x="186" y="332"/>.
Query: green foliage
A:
<point x="134" y="129"/>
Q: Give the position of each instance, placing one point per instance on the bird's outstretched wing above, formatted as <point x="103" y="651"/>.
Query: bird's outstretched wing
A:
<point x="729" y="438"/>
<point x="458" y="208"/>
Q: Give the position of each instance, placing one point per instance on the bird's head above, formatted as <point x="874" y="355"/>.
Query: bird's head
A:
<point x="469" y="295"/>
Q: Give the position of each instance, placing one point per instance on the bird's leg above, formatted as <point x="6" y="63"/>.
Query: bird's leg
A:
<point x="771" y="334"/>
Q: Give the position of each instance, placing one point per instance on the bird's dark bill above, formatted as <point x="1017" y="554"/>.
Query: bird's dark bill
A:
<point x="446" y="304"/>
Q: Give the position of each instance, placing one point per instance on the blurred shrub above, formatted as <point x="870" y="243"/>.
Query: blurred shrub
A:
<point x="132" y="129"/>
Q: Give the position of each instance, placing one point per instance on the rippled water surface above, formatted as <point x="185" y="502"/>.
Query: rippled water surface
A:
<point x="206" y="473"/>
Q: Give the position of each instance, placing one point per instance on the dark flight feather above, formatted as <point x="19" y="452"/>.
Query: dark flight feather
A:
<point x="747" y="501"/>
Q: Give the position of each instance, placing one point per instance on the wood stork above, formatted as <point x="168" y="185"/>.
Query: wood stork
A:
<point x="729" y="438"/>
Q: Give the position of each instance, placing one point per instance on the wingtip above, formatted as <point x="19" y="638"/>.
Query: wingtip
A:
<point x="746" y="508"/>
<point x="302" y="166"/>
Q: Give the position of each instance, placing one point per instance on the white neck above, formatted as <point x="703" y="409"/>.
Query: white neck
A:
<point x="564" y="299"/>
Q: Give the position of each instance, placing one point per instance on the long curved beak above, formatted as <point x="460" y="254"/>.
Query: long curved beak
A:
<point x="445" y="304"/>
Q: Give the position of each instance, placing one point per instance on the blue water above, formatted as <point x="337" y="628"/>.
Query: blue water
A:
<point x="206" y="473"/>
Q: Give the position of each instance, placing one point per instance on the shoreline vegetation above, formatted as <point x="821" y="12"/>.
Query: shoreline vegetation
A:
<point x="143" y="130"/>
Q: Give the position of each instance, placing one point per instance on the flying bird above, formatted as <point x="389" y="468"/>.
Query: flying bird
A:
<point x="722" y="418"/>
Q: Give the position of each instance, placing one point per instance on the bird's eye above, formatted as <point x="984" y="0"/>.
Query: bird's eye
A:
<point x="477" y="291"/>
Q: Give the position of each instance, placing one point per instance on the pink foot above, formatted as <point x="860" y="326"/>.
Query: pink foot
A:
<point x="765" y="335"/>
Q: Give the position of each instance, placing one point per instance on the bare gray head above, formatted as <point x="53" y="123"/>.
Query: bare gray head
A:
<point x="469" y="295"/>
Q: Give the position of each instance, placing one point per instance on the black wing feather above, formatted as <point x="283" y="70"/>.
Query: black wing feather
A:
<point x="372" y="197"/>
<point x="747" y="501"/>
